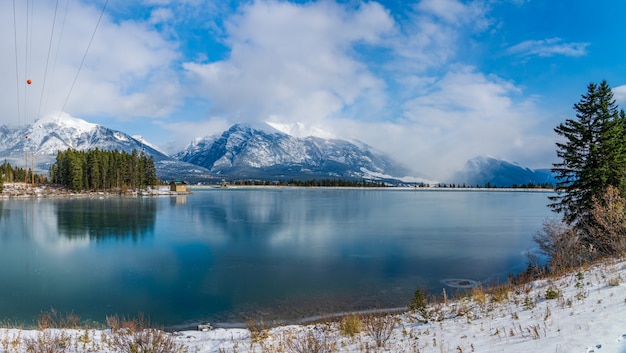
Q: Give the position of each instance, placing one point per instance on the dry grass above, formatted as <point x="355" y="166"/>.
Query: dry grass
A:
<point x="138" y="335"/>
<point x="478" y="295"/>
<point x="500" y="293"/>
<point x="309" y="342"/>
<point x="54" y="319"/>
<point x="351" y="325"/>
<point x="146" y="341"/>
<point x="136" y="324"/>
<point x="380" y="328"/>
<point x="48" y="341"/>
<point x="258" y="331"/>
<point x="615" y="281"/>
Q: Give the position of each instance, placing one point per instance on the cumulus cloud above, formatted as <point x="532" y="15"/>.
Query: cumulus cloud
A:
<point x="301" y="63"/>
<point x="292" y="61"/>
<point x="548" y="47"/>
<point x="462" y="115"/>
<point x="127" y="71"/>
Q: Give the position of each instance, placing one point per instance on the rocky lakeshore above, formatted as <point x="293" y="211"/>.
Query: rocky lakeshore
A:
<point x="24" y="190"/>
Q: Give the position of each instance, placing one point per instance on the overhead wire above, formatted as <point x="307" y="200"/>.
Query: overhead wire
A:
<point x="58" y="44"/>
<point x="23" y="111"/>
<point x="26" y="63"/>
<point x="85" y="55"/>
<point x="45" y="73"/>
<point x="17" y="75"/>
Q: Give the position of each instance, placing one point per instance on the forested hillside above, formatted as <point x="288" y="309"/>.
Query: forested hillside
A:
<point x="103" y="170"/>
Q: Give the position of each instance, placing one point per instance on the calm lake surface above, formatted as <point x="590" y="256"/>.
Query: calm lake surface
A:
<point x="224" y="255"/>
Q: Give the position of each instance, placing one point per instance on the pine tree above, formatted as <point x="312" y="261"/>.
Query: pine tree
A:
<point x="593" y="154"/>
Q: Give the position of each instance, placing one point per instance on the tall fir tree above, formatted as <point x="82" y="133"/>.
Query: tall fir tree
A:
<point x="592" y="154"/>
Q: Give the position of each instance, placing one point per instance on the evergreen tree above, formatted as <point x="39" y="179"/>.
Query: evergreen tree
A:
<point x="103" y="170"/>
<point x="592" y="154"/>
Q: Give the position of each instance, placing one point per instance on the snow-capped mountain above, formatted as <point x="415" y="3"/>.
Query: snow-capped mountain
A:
<point x="252" y="152"/>
<point x="485" y="170"/>
<point x="50" y="134"/>
<point x="301" y="130"/>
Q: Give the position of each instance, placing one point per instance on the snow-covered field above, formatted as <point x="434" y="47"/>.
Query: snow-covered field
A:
<point x="586" y="313"/>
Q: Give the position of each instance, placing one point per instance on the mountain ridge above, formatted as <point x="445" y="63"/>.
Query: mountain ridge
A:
<point x="48" y="135"/>
<point x="251" y="152"/>
<point x="488" y="170"/>
<point x="245" y="151"/>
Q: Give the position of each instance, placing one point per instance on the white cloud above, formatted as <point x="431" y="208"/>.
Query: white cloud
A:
<point x="456" y="12"/>
<point x="161" y="15"/>
<point x="292" y="61"/>
<point x="430" y="35"/>
<point x="619" y="93"/>
<point x="127" y="71"/>
<point x="299" y="63"/>
<point x="548" y="47"/>
<point x="462" y="115"/>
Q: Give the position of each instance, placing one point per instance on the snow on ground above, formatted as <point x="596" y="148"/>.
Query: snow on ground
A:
<point x="25" y="190"/>
<point x="587" y="313"/>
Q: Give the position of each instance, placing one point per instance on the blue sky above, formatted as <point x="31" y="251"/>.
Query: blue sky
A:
<point x="432" y="83"/>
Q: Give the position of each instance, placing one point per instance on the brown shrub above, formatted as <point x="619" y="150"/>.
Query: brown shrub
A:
<point x="54" y="319"/>
<point x="562" y="245"/>
<point x="607" y="226"/>
<point x="380" y="328"/>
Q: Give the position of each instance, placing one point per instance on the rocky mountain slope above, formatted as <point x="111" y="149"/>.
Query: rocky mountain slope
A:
<point x="48" y="135"/>
<point x="266" y="153"/>
<point x="484" y="170"/>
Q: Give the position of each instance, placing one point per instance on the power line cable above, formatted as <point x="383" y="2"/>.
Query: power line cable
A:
<point x="85" y="55"/>
<point x="45" y="73"/>
<point x="58" y="45"/>
<point x="26" y="56"/>
<point x="17" y="75"/>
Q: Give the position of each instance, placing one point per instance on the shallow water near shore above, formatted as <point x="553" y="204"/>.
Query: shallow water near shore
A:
<point x="274" y="253"/>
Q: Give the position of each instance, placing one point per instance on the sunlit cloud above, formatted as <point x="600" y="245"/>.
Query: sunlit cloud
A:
<point x="291" y="61"/>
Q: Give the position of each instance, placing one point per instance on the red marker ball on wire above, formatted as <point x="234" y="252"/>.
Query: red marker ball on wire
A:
<point x="29" y="81"/>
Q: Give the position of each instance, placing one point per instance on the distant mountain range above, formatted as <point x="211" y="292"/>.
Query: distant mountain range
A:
<point x="48" y="135"/>
<point x="485" y="170"/>
<point x="249" y="152"/>
<point x="265" y="152"/>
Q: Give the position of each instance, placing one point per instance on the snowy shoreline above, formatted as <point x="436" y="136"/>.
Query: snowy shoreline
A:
<point x="581" y="311"/>
<point x="24" y="190"/>
<point x="389" y="188"/>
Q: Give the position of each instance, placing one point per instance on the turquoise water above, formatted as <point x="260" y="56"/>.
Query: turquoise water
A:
<point x="227" y="255"/>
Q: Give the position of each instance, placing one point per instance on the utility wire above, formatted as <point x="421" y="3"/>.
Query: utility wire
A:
<point x="45" y="73"/>
<point x="58" y="45"/>
<point x="26" y="61"/>
<point x="85" y="56"/>
<point x="17" y="75"/>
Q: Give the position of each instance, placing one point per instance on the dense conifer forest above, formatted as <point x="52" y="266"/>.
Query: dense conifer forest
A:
<point x="103" y="170"/>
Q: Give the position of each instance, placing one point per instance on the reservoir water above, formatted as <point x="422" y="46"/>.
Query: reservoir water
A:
<point x="225" y="255"/>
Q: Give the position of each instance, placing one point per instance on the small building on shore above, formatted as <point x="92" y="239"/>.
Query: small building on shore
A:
<point x="179" y="186"/>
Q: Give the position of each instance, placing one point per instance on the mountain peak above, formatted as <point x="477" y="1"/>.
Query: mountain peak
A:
<point x="301" y="130"/>
<point x="67" y="121"/>
<point x="484" y="170"/>
<point x="250" y="152"/>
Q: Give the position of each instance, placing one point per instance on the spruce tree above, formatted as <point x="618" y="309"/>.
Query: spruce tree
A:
<point x="592" y="154"/>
